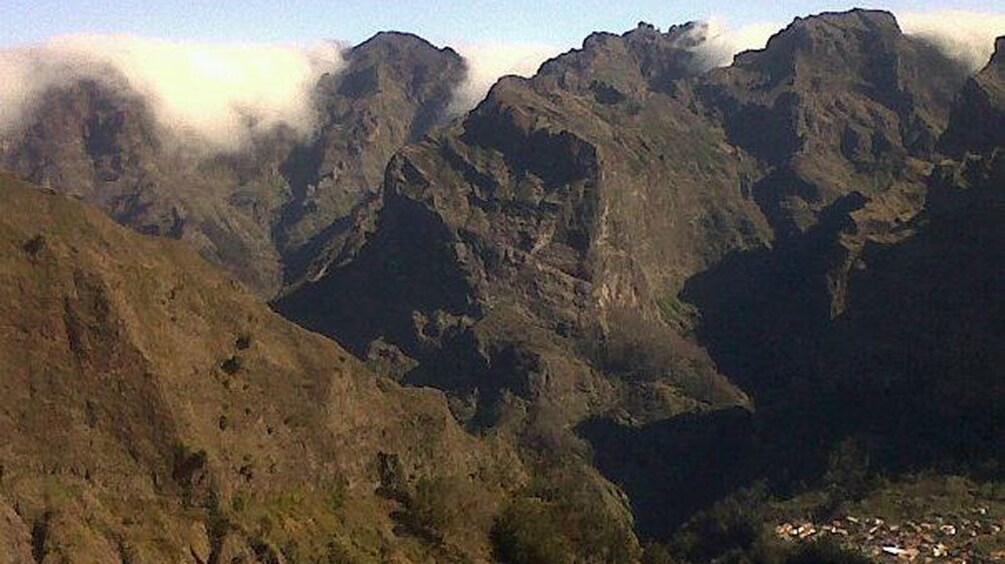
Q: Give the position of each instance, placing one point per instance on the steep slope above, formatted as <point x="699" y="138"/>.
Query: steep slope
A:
<point x="978" y="121"/>
<point x="617" y="241"/>
<point x="264" y="209"/>
<point x="153" y="410"/>
<point x="578" y="203"/>
<point x="903" y="379"/>
<point x="539" y="215"/>
<point x="926" y="313"/>
<point x="395" y="87"/>
<point x="844" y="112"/>
<point x="768" y="316"/>
<point x="783" y="275"/>
<point x="836" y="103"/>
<point x="512" y="260"/>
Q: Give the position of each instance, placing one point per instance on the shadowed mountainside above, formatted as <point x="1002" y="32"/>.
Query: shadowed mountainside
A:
<point x="905" y="375"/>
<point x="614" y="242"/>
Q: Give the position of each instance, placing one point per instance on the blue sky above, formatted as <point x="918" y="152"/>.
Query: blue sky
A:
<point x="556" y="22"/>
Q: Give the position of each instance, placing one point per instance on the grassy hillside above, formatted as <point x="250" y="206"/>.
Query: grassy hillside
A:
<point x="153" y="410"/>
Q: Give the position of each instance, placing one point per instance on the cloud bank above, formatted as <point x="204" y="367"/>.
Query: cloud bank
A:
<point x="719" y="41"/>
<point x="223" y="93"/>
<point x="968" y="37"/>
<point x="488" y="62"/>
<point x="217" y="93"/>
<point x="965" y="36"/>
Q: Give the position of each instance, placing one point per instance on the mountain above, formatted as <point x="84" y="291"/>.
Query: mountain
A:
<point x="563" y="217"/>
<point x="844" y="112"/>
<point x="681" y="266"/>
<point x="835" y="103"/>
<point x="871" y="344"/>
<point x="977" y="118"/>
<point x="927" y="308"/>
<point x="629" y="308"/>
<point x="514" y="244"/>
<point x="154" y="410"/>
<point x="257" y="210"/>
<point x="856" y="308"/>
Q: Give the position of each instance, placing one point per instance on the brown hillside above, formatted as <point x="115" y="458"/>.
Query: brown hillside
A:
<point x="154" y="410"/>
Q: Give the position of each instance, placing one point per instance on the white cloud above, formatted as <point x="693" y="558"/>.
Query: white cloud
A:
<point x="720" y="41"/>
<point x="218" y="93"/>
<point x="221" y="93"/>
<point x="966" y="36"/>
<point x="487" y="62"/>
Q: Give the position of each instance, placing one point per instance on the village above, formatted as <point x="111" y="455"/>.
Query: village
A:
<point x="962" y="539"/>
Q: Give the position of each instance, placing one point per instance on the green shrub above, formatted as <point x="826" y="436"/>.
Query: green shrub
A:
<point x="527" y="533"/>
<point x="655" y="553"/>
<point x="243" y="341"/>
<point x="232" y="365"/>
<point x="560" y="529"/>
<point x="435" y="507"/>
<point x="737" y="530"/>
<point x="824" y="551"/>
<point x="438" y="507"/>
<point x="717" y="532"/>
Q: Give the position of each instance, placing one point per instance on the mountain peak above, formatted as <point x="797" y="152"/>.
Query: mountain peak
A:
<point x="998" y="58"/>
<point x="394" y="37"/>
<point x="818" y="30"/>
<point x="618" y="67"/>
<point x="879" y="19"/>
<point x="399" y="42"/>
<point x="978" y="119"/>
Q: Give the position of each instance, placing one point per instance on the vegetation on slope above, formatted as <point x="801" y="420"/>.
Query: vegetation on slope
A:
<point x="154" y="410"/>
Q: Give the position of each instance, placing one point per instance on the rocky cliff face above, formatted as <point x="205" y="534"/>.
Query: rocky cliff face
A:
<point x="843" y="112"/>
<point x="688" y="281"/>
<point x="153" y="410"/>
<point x="263" y="210"/>
<point x="579" y="203"/>
<point x="619" y="239"/>
<point x="901" y="378"/>
<point x="977" y="118"/>
<point x="836" y="103"/>
<point x="540" y="212"/>
<point x="926" y="311"/>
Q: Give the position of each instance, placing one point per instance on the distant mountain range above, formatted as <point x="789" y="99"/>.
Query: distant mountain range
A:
<point x="639" y="291"/>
